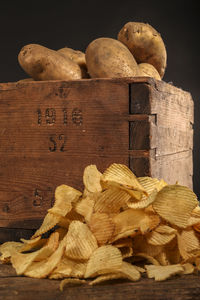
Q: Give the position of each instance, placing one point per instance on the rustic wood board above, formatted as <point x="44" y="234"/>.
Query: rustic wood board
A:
<point x="20" y="288"/>
<point x="49" y="132"/>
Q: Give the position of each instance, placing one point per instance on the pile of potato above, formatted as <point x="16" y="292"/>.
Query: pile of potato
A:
<point x="138" y="51"/>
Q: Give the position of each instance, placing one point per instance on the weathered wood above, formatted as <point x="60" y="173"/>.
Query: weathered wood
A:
<point x="49" y="132"/>
<point x="21" y="288"/>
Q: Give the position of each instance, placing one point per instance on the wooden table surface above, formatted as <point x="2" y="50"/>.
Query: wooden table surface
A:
<point x="18" y="288"/>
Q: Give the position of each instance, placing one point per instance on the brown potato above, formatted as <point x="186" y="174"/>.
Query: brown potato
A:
<point x="148" y="70"/>
<point x="78" y="57"/>
<point x="145" y="43"/>
<point x="42" y="63"/>
<point x="107" y="58"/>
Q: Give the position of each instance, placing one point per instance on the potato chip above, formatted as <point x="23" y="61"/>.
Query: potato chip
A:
<point x="41" y="269"/>
<point x="194" y="221"/>
<point x="162" y="258"/>
<point x="188" y="268"/>
<point x="105" y="259"/>
<point x="126" y="252"/>
<point x="91" y="179"/>
<point x="72" y="281"/>
<point x="187" y="242"/>
<point x="53" y="241"/>
<point x="33" y="244"/>
<point x="68" y="268"/>
<point x="8" y="249"/>
<point x="172" y="252"/>
<point x="111" y="200"/>
<point x="48" y="223"/>
<point x="161" y="235"/>
<point x="140" y="245"/>
<point x="63" y="222"/>
<point x="160" y="273"/>
<point x="85" y="207"/>
<point x="132" y="219"/>
<point x="118" y="175"/>
<point x="144" y="202"/>
<point x="107" y="277"/>
<point x="125" y="242"/>
<point x="62" y="232"/>
<point x="81" y="242"/>
<point x="64" y="197"/>
<point x="174" y="203"/>
<point x="102" y="227"/>
<point x="150" y="184"/>
<point x="21" y="261"/>
<point x="149" y="258"/>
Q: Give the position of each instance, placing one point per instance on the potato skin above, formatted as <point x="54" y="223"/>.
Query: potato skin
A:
<point x="78" y="57"/>
<point x="42" y="63"/>
<point x="109" y="58"/>
<point x="146" y="69"/>
<point x="145" y="43"/>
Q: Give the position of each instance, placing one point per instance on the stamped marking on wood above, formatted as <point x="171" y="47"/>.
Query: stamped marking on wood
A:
<point x="58" y="142"/>
<point x="37" y="198"/>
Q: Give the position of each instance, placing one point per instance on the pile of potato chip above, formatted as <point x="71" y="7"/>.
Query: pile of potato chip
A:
<point x="120" y="227"/>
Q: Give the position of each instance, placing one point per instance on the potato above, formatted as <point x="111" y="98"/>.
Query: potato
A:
<point x="145" y="43"/>
<point x="107" y="58"/>
<point x="78" y="57"/>
<point x="148" y="70"/>
<point x="42" y="63"/>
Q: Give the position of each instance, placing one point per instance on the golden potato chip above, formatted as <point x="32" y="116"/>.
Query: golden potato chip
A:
<point x="105" y="259"/>
<point x="161" y="235"/>
<point x="7" y="249"/>
<point x="150" y="183"/>
<point x="41" y="269"/>
<point x="111" y="200"/>
<point x="107" y="277"/>
<point x="187" y="242"/>
<point x="64" y="197"/>
<point x="53" y="241"/>
<point x="149" y="258"/>
<point x="125" y="242"/>
<point x="163" y="272"/>
<point x="188" y="268"/>
<point x="73" y="215"/>
<point x="102" y="227"/>
<point x="62" y="232"/>
<point x="72" y="281"/>
<point x="162" y="258"/>
<point x="194" y="221"/>
<point x="172" y="252"/>
<point x="68" y="268"/>
<point x="85" y="207"/>
<point x="21" y="261"/>
<point x="174" y="203"/>
<point x="126" y="252"/>
<point x="33" y="244"/>
<point x="196" y="212"/>
<point x="81" y="242"/>
<point x="144" y="202"/>
<point x="132" y="219"/>
<point x="118" y="175"/>
<point x="91" y="179"/>
<point x="64" y="222"/>
<point x="124" y="234"/>
<point x="48" y="223"/>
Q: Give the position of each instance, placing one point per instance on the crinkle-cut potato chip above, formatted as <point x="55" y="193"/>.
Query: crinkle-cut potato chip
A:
<point x="160" y="273"/>
<point x="125" y="242"/>
<point x="120" y="176"/>
<point x="172" y="252"/>
<point x="135" y="219"/>
<point x="105" y="259"/>
<point x="140" y="245"/>
<point x="63" y="222"/>
<point x="149" y="258"/>
<point x="85" y="207"/>
<point x="111" y="200"/>
<point x="194" y="221"/>
<point x="53" y="241"/>
<point x="102" y="227"/>
<point x="187" y="242"/>
<point x="150" y="184"/>
<point x="73" y="281"/>
<point x="146" y="201"/>
<point x="81" y="242"/>
<point x="127" y="271"/>
<point x="64" y="197"/>
<point x="7" y="249"/>
<point x="68" y="268"/>
<point x="41" y="269"/>
<point x="73" y="215"/>
<point x="91" y="179"/>
<point x="48" y="223"/>
<point x="33" y="244"/>
<point x="196" y="212"/>
<point x="124" y="234"/>
<point x="21" y="261"/>
<point x="174" y="203"/>
<point x="161" y="235"/>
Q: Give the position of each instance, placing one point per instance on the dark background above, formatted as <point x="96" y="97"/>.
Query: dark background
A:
<point x="75" y="24"/>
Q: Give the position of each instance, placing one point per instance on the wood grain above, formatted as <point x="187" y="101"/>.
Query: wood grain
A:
<point x="51" y="130"/>
<point x="20" y="288"/>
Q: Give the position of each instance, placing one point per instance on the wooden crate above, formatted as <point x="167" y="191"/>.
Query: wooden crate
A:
<point x="51" y="130"/>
